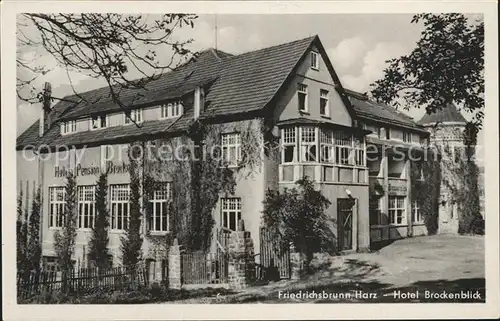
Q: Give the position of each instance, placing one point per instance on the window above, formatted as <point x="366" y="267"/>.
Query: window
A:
<point x="416" y="213"/>
<point x="86" y="206"/>
<point x="327" y="146"/>
<point x="302" y="95"/>
<point x="397" y="210"/>
<point x="135" y="116"/>
<point x="57" y="200"/>
<point x="289" y="144"/>
<point x="231" y="149"/>
<point x="343" y="146"/>
<point x="68" y="127"/>
<point x="99" y="121"/>
<point x="324" y="108"/>
<point x="308" y="144"/>
<point x="406" y="137"/>
<point x="120" y="206"/>
<point x="160" y="201"/>
<point x="314" y="60"/>
<point x="387" y="133"/>
<point x="375" y="213"/>
<point x="359" y="152"/>
<point x="231" y="213"/>
<point x="172" y="110"/>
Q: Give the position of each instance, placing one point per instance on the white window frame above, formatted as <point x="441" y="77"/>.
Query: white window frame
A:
<point x="135" y="114"/>
<point x="302" y="89"/>
<point x="172" y="110"/>
<point x="68" y="127"/>
<point x="306" y="143"/>
<point x="397" y="210"/>
<point x="99" y="122"/>
<point x="327" y="143"/>
<point x="231" y="149"/>
<point x="359" y="152"/>
<point x="160" y="202"/>
<point x="324" y="95"/>
<point x="230" y="206"/>
<point x="57" y="202"/>
<point x="314" y="60"/>
<point x="406" y="137"/>
<point x="416" y="211"/>
<point x="86" y="200"/>
<point x="343" y="142"/>
<point x="120" y="198"/>
<point x="289" y="139"/>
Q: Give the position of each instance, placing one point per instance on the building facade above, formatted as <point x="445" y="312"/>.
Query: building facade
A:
<point x="356" y="151"/>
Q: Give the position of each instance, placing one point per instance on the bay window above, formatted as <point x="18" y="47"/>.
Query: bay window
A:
<point x="343" y="146"/>
<point x="327" y="146"/>
<point x="289" y="144"/>
<point x="308" y="143"/>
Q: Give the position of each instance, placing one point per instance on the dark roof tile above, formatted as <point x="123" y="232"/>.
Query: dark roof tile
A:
<point x="450" y="113"/>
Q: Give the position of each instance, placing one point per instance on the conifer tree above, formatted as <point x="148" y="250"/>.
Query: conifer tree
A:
<point x="98" y="244"/>
<point x="20" y="235"/>
<point x="64" y="240"/>
<point x="132" y="240"/>
<point x="34" y="245"/>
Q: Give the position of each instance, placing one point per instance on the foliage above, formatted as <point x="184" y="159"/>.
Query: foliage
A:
<point x="461" y="180"/>
<point x="34" y="245"/>
<point x="64" y="240"/>
<point x="299" y="216"/>
<point x="447" y="66"/>
<point x="108" y="46"/>
<point x="131" y="242"/>
<point x="98" y="243"/>
<point x="21" y="235"/>
<point x="427" y="191"/>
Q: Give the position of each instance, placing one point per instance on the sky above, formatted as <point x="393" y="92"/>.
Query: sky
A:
<point x="357" y="44"/>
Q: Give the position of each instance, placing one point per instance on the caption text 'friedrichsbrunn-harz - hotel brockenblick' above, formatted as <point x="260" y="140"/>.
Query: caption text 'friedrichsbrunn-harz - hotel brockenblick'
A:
<point x="323" y="130"/>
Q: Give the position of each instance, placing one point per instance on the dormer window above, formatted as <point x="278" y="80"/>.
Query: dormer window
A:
<point x="134" y="116"/>
<point x="98" y="121"/>
<point x="172" y="110"/>
<point x="68" y="127"/>
<point x="314" y="60"/>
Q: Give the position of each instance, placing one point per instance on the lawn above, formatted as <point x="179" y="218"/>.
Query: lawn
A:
<point x="399" y="272"/>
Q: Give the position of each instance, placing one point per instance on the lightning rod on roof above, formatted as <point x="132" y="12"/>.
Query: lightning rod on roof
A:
<point x="215" y="30"/>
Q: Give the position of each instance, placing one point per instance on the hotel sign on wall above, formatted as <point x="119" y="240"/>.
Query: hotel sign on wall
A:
<point x="397" y="187"/>
<point x="112" y="168"/>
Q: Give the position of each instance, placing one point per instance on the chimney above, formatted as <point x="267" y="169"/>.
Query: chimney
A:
<point x="199" y="101"/>
<point x="45" y="117"/>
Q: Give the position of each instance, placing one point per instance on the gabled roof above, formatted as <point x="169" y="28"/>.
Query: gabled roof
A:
<point x="447" y="114"/>
<point x="235" y="85"/>
<point x="378" y="112"/>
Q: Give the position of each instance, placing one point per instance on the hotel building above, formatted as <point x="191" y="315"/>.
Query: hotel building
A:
<point x="289" y="93"/>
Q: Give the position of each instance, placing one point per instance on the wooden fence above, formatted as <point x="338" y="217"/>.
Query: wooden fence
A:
<point x="80" y="281"/>
<point x="274" y="254"/>
<point x="205" y="268"/>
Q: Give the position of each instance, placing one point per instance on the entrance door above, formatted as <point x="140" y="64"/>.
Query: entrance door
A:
<point x="344" y="223"/>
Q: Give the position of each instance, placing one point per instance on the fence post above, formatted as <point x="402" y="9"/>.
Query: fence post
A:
<point x="174" y="266"/>
<point x="241" y="258"/>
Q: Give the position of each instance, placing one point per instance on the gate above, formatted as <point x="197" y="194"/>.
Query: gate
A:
<point x="344" y="223"/>
<point x="274" y="253"/>
<point x="205" y="268"/>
